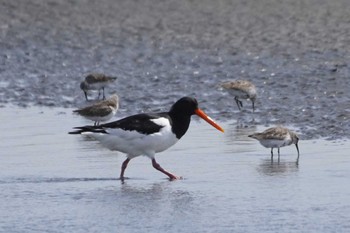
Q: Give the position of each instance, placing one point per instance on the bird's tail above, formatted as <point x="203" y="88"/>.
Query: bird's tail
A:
<point x="112" y="79"/>
<point x="77" y="111"/>
<point x="253" y="136"/>
<point x="86" y="129"/>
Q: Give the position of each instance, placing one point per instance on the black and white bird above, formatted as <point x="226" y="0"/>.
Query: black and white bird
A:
<point x="147" y="134"/>
<point x="96" y="81"/>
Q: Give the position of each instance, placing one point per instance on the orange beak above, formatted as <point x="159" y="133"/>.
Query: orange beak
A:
<point x="204" y="116"/>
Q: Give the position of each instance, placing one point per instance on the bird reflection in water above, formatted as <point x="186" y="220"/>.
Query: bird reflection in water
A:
<point x="273" y="167"/>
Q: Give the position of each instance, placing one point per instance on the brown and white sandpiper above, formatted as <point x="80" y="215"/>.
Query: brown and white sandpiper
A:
<point x="241" y="89"/>
<point x="96" y="81"/>
<point x="101" y="111"/>
<point x="277" y="137"/>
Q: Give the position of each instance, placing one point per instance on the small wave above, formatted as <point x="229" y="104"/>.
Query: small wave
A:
<point x="56" y="180"/>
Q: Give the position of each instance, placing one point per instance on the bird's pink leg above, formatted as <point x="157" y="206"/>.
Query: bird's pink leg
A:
<point x="124" y="165"/>
<point x="159" y="168"/>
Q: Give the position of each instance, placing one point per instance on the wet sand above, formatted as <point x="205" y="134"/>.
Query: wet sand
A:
<point x="54" y="182"/>
<point x="295" y="52"/>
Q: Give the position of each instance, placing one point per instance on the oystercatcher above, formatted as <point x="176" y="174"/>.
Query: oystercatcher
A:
<point x="96" y="81"/>
<point x="277" y="137"/>
<point x="241" y="89"/>
<point x="101" y="111"/>
<point x="147" y="134"/>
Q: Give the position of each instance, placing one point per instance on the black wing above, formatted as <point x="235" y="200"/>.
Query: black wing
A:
<point x="141" y="123"/>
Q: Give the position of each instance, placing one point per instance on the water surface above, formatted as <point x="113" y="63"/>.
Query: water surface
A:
<point x="52" y="181"/>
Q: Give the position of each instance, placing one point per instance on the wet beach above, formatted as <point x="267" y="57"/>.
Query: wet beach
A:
<point x="295" y="52"/>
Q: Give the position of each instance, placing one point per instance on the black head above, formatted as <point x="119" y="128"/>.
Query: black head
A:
<point x="83" y="85"/>
<point x="184" y="106"/>
<point x="181" y="112"/>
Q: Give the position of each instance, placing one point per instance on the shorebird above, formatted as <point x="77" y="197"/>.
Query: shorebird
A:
<point x="277" y="137"/>
<point x="147" y="134"/>
<point x="96" y="81"/>
<point x="102" y="111"/>
<point x="240" y="89"/>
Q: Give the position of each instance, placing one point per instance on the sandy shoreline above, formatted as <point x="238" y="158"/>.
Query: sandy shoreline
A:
<point x="295" y="52"/>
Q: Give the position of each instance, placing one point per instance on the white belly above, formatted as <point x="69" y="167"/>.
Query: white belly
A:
<point x="274" y="143"/>
<point x="134" y="143"/>
<point x="102" y="118"/>
<point x="97" y="86"/>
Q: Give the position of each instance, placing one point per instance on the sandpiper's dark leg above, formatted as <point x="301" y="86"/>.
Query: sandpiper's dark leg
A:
<point x="253" y="105"/>
<point x="124" y="165"/>
<point x="159" y="168"/>
<point x="238" y="102"/>
<point x="278" y="152"/>
<point x="271" y="152"/>
<point x="296" y="145"/>
<point x="95" y="123"/>
<point x="86" y="97"/>
<point x="103" y="91"/>
<point x="99" y="94"/>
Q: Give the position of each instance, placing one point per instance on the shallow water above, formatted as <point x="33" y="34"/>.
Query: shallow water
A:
<point x="54" y="182"/>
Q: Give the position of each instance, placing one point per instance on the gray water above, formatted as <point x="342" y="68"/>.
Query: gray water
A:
<point x="54" y="182"/>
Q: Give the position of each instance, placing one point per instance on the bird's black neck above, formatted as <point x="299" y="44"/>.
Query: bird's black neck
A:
<point x="180" y="123"/>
